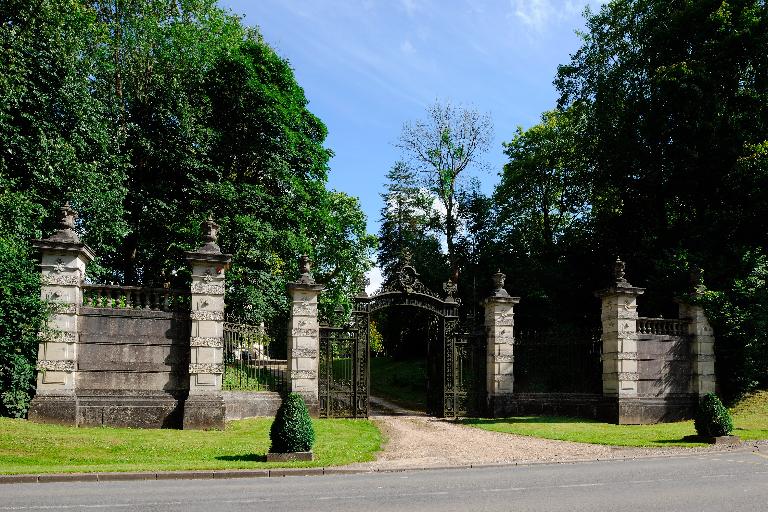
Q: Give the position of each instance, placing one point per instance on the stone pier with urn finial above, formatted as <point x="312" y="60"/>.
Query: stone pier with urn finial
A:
<point x="204" y="407"/>
<point x="64" y="259"/>
<point x="500" y="324"/>
<point x="304" y="335"/>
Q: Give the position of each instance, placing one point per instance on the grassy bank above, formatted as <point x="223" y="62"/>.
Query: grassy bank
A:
<point x="27" y="447"/>
<point x="750" y="417"/>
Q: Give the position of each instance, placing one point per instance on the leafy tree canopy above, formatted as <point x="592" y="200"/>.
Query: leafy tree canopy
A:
<point x="147" y="116"/>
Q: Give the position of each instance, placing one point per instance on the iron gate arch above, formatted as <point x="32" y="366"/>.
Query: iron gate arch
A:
<point x="456" y="368"/>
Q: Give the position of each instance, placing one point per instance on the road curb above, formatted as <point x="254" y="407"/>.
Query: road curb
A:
<point x="220" y="474"/>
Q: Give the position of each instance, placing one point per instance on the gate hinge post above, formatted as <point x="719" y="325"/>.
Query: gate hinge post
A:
<point x="204" y="408"/>
<point x="304" y="335"/>
<point x="499" y="325"/>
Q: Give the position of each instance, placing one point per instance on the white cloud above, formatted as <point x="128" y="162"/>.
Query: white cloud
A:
<point x="410" y="6"/>
<point x="541" y="14"/>
<point x="534" y="13"/>
<point x="374" y="280"/>
<point x="406" y="47"/>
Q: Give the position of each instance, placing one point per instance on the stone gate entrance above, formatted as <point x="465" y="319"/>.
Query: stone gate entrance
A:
<point x="458" y="361"/>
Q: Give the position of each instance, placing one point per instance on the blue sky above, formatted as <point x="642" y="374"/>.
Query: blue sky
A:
<point x="368" y="66"/>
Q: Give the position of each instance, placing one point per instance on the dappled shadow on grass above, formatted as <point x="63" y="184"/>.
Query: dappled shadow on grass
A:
<point x="525" y="419"/>
<point x="247" y="457"/>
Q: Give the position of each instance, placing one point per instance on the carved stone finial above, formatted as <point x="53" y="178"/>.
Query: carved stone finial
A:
<point x="66" y="232"/>
<point x="407" y="258"/>
<point x="305" y="267"/>
<point x="210" y="236"/>
<point x="450" y="288"/>
<point x="696" y="277"/>
<point x="210" y="230"/>
<point x="619" y="269"/>
<point x="498" y="284"/>
<point x="305" y="264"/>
<point x="362" y="284"/>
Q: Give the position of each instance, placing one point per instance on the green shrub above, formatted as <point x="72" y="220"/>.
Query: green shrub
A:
<point x="292" y="429"/>
<point x="22" y="315"/>
<point x="712" y="418"/>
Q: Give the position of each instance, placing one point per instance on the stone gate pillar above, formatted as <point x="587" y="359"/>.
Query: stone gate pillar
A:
<point x="702" y="342"/>
<point x="304" y="335"/>
<point x="63" y="263"/>
<point x="204" y="407"/>
<point x="619" y="337"/>
<point x="499" y="323"/>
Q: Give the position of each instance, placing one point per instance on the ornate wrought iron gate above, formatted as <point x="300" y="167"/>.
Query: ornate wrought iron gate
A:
<point x="456" y="349"/>
<point x="343" y="370"/>
<point x="464" y="371"/>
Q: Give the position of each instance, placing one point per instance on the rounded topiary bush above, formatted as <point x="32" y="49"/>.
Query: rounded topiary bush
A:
<point x="292" y="429"/>
<point x="712" y="418"/>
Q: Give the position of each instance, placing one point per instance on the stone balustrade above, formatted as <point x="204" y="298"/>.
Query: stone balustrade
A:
<point x="135" y="297"/>
<point x="662" y="326"/>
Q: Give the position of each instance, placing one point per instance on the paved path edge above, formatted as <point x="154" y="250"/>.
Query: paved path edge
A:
<point x="219" y="474"/>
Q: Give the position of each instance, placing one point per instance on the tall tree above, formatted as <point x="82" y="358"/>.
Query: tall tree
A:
<point x="449" y="142"/>
<point x="675" y="95"/>
<point x="409" y="231"/>
<point x="408" y="225"/>
<point x="148" y="116"/>
<point x="55" y="146"/>
<point x="545" y="186"/>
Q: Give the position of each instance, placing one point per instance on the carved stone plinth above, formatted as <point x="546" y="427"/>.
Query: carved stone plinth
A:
<point x="290" y="456"/>
<point x="204" y="411"/>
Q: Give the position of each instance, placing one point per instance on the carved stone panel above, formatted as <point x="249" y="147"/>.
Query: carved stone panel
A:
<point x="56" y="366"/>
<point x="206" y="368"/>
<point x="198" y="341"/>
<point x="207" y="315"/>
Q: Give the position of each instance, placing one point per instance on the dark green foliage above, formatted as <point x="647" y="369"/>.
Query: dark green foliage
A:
<point x="292" y="429"/>
<point x="739" y="317"/>
<point x="21" y="316"/>
<point x="712" y="418"/>
<point x="409" y="224"/>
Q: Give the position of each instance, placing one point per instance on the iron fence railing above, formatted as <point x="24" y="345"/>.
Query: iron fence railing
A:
<point x="248" y="365"/>
<point x="558" y="361"/>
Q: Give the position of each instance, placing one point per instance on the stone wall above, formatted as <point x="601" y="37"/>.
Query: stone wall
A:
<point x="123" y="355"/>
<point x="653" y="369"/>
<point x="650" y="365"/>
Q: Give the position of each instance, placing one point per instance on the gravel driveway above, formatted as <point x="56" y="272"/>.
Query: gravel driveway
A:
<point x="416" y="440"/>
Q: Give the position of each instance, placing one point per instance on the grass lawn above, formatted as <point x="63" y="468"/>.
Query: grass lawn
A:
<point x="750" y="418"/>
<point x="27" y="447"/>
<point x="400" y="382"/>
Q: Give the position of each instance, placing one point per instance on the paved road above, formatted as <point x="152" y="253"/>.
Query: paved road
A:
<point x="731" y="482"/>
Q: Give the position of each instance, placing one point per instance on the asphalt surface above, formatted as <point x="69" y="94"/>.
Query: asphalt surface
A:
<point x="736" y="481"/>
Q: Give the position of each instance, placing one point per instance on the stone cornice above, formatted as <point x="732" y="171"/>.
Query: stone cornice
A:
<point x="619" y="290"/>
<point x="64" y="246"/>
<point x="208" y="257"/>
